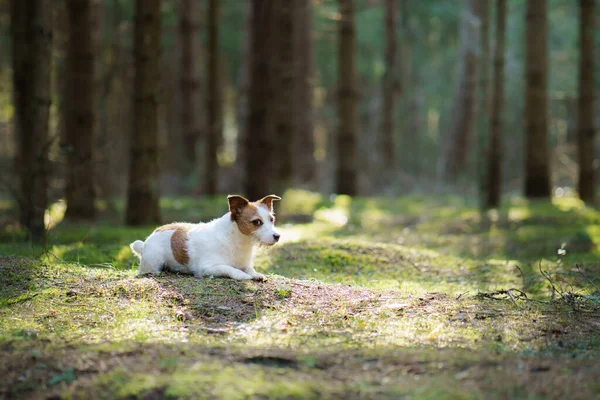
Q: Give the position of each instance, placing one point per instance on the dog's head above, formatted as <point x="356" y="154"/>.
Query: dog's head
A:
<point x="255" y="219"/>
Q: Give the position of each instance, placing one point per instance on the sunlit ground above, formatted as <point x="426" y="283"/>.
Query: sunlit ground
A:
<point x="374" y="297"/>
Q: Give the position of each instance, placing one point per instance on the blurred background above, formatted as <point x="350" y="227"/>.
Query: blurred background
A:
<point x="113" y="104"/>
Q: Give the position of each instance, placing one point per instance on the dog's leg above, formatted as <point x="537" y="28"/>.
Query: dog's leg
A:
<point x="225" y="271"/>
<point x="255" y="275"/>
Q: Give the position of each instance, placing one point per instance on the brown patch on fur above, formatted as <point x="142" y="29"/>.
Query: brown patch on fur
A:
<point x="178" y="240"/>
<point x="245" y="218"/>
<point x="243" y="212"/>
<point x="236" y="205"/>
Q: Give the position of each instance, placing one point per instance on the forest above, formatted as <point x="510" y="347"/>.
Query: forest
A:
<point x="439" y="217"/>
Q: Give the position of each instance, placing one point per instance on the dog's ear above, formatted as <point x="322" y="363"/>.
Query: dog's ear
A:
<point x="236" y="205"/>
<point x="268" y="201"/>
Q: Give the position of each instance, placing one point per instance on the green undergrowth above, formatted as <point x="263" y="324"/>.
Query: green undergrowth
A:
<point x="414" y="297"/>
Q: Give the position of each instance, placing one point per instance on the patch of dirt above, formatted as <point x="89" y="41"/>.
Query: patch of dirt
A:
<point x="385" y="369"/>
<point x="17" y="275"/>
<point x="271" y="361"/>
<point x="220" y="303"/>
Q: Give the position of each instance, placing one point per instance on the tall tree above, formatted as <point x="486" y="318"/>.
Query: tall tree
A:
<point x="459" y="139"/>
<point x="283" y="69"/>
<point x="303" y="159"/>
<point x="411" y="83"/>
<point x="537" y="158"/>
<point x="31" y="33"/>
<point x="347" y="154"/>
<point x="242" y="97"/>
<point x="215" y="119"/>
<point x="260" y="127"/>
<point x="78" y="141"/>
<point x="144" y="184"/>
<point x="190" y="126"/>
<point x="586" y="131"/>
<point x="110" y="138"/>
<point x="388" y="132"/>
<point x="494" y="178"/>
<point x="483" y="116"/>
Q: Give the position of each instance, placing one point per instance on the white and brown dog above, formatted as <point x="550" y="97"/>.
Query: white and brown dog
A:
<point x="222" y="247"/>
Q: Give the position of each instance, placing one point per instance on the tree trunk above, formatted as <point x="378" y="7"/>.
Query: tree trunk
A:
<point x="411" y="83"/>
<point x="537" y="163"/>
<point x="484" y="45"/>
<point x="31" y="33"/>
<point x="242" y="98"/>
<point x="483" y="116"/>
<point x="260" y="133"/>
<point x="215" y="122"/>
<point x="190" y="128"/>
<point x="144" y="185"/>
<point x="304" y="164"/>
<point x="80" y="191"/>
<point x="109" y="134"/>
<point x="347" y="163"/>
<point x="460" y="137"/>
<point x="586" y="131"/>
<point x="387" y="148"/>
<point x="494" y="167"/>
<point x="284" y="92"/>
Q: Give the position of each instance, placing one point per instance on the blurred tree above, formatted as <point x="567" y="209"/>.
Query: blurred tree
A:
<point x="78" y="142"/>
<point x="260" y="132"/>
<point x="586" y="130"/>
<point x="110" y="159"/>
<point x="242" y="98"/>
<point x="412" y="87"/>
<point x="483" y="116"/>
<point x="190" y="127"/>
<point x="537" y="158"/>
<point x="31" y="34"/>
<point x="284" y="71"/>
<point x="494" y="179"/>
<point x="347" y="154"/>
<point x="429" y="51"/>
<point x="387" y="148"/>
<point x="303" y="159"/>
<point x="458" y="141"/>
<point x="214" y="99"/>
<point x="144" y="179"/>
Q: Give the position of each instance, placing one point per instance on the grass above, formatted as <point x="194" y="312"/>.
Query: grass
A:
<point x="366" y="298"/>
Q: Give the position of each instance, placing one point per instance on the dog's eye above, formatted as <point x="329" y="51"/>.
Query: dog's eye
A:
<point x="272" y="219"/>
<point x="257" y="222"/>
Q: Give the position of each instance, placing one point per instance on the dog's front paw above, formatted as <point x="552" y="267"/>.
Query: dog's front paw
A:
<point x="259" y="277"/>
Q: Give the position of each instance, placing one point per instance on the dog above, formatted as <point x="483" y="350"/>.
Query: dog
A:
<point x="220" y="248"/>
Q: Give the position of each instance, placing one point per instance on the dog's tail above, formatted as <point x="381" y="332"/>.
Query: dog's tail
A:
<point x="137" y="248"/>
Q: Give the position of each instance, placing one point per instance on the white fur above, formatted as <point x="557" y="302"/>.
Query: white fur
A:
<point x="216" y="248"/>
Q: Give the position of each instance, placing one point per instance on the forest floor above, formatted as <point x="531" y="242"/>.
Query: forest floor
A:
<point x="412" y="297"/>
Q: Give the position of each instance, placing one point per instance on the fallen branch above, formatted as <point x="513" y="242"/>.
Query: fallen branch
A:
<point x="586" y="278"/>
<point x="512" y="293"/>
<point x="577" y="302"/>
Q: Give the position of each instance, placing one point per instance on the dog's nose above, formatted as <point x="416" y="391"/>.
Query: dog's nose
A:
<point x="276" y="236"/>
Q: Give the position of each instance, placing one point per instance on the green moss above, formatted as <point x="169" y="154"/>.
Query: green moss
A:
<point x="376" y="297"/>
<point x="283" y="292"/>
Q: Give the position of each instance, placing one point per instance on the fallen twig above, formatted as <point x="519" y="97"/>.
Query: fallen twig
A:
<point x="461" y="295"/>
<point x="547" y="276"/>
<point x="586" y="278"/>
<point x="577" y="302"/>
<point x="512" y="293"/>
<point x="512" y="298"/>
